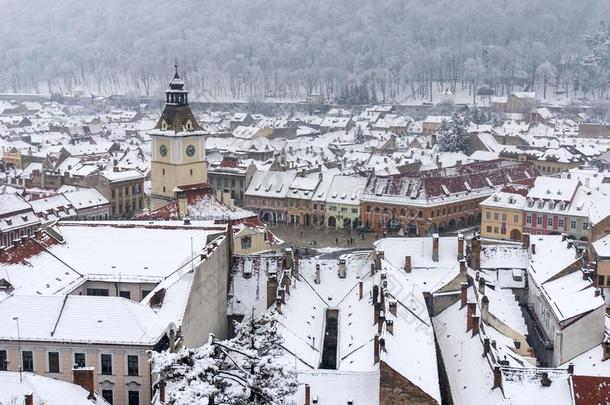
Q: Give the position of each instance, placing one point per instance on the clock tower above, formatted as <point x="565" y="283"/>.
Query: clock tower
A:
<point x="178" y="144"/>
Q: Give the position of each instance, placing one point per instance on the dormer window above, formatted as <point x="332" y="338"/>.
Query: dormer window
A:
<point x="530" y="203"/>
<point x="541" y="204"/>
<point x="562" y="206"/>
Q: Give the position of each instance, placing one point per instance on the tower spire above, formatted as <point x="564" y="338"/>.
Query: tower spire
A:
<point x="176" y="76"/>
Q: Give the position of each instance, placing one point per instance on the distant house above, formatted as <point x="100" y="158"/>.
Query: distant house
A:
<point x="432" y="123"/>
<point x="521" y="102"/>
<point x="331" y="123"/>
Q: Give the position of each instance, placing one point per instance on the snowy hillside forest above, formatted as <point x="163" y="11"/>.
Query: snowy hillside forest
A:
<point x="351" y="51"/>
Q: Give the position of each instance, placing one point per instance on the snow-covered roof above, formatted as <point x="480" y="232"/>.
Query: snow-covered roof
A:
<point x="106" y="251"/>
<point x="468" y="372"/>
<point x="602" y="246"/>
<point x="122" y="175"/>
<point x="270" y="184"/>
<point x="44" y="390"/>
<point x="427" y="274"/>
<point x="523" y="386"/>
<point x="79" y="318"/>
<point x="85" y="198"/>
<point x="346" y="190"/>
<point x="409" y="349"/>
<point x="552" y="255"/>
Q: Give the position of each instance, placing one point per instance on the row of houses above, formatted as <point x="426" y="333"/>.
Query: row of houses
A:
<point x="413" y="203"/>
<point x="575" y="204"/>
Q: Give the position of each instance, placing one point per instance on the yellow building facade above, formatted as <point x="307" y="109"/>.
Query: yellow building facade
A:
<point x="502" y="217"/>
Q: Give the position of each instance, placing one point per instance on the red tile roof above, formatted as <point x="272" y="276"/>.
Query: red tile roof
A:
<point x="591" y="390"/>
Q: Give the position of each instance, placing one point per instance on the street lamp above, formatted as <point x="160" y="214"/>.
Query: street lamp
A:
<point x="16" y="319"/>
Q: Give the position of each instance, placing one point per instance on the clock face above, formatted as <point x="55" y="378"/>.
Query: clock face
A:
<point x="163" y="150"/>
<point x="190" y="151"/>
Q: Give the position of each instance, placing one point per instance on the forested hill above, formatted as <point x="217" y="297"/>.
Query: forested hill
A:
<point x="246" y="49"/>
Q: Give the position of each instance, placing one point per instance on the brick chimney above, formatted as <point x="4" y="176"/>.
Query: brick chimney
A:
<point x="460" y="248"/>
<point x="161" y="392"/>
<point x="278" y="305"/>
<point x="271" y="289"/>
<point x="481" y="285"/>
<point x="379" y="258"/>
<point x="475" y="324"/>
<point x="475" y="254"/>
<point x="497" y="377"/>
<point x="606" y="349"/>
<point x="471" y="310"/>
<point x="392" y="307"/>
<point x="485" y="346"/>
<point x="317" y="279"/>
<point x="360" y="289"/>
<point x="571" y="368"/>
<point x="525" y="241"/>
<point x="28" y="399"/>
<point x="484" y="306"/>
<point x="380" y="322"/>
<point x="407" y="264"/>
<point x="435" y="240"/>
<point x="307" y="394"/>
<point x="533" y="248"/>
<point x="389" y="326"/>
<point x="84" y="377"/>
<point x="376" y="350"/>
<point x="463" y="294"/>
<point x="462" y="266"/>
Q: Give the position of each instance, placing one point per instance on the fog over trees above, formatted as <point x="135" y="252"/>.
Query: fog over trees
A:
<point x="346" y="50"/>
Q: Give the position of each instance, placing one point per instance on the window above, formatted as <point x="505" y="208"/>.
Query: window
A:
<point x="487" y="215"/>
<point x="125" y="294"/>
<point x="163" y="172"/>
<point x="79" y="359"/>
<point x="107" y="364"/>
<point x="354" y="210"/>
<point x="53" y="362"/>
<point x="495" y="229"/>
<point x="503" y="217"/>
<point x="3" y="364"/>
<point x="516" y="219"/>
<point x="315" y="207"/>
<point x="102" y="292"/>
<point x="27" y="358"/>
<point x="539" y="221"/>
<point x="549" y="222"/>
<point x="246" y="242"/>
<point x="191" y="171"/>
<point x="133" y="398"/>
<point x="600" y="280"/>
<point x="528" y="219"/>
<point x="496" y="216"/>
<point x="107" y="395"/>
<point x="489" y="229"/>
<point x="517" y="344"/>
<point x="132" y="365"/>
<point x="145" y="293"/>
<point x="585" y="226"/>
<point x="560" y="223"/>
